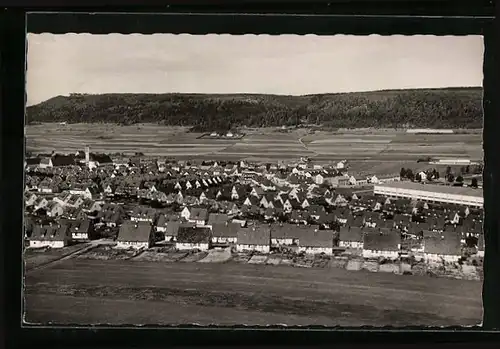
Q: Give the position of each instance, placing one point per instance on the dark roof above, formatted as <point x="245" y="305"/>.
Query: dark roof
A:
<point x="226" y="229"/>
<point x="33" y="161"/>
<point x="352" y="234"/>
<point x="317" y="238"/>
<point x="255" y="235"/>
<point x="216" y="218"/>
<point x="193" y="235"/>
<point x="55" y="232"/>
<point x="198" y="214"/>
<point x="63" y="160"/>
<point x="282" y="230"/>
<point x="135" y="231"/>
<point x="101" y="158"/>
<point x="144" y="212"/>
<point x="77" y="226"/>
<point x="446" y="243"/>
<point x="173" y="227"/>
<point x="384" y="240"/>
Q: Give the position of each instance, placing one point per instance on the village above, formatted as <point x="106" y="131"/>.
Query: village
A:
<point x="298" y="214"/>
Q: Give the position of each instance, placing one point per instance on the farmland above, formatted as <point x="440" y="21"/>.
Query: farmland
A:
<point x="262" y="144"/>
<point x="141" y="292"/>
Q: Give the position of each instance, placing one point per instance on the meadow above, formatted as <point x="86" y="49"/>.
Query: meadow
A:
<point x="136" y="292"/>
<point x="260" y="144"/>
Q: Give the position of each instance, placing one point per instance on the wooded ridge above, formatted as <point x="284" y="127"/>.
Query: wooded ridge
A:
<point x="429" y="108"/>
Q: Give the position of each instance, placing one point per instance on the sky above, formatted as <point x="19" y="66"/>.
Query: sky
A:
<point x="282" y="64"/>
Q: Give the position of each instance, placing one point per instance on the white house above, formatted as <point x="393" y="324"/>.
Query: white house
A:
<point x="185" y="213"/>
<point x="319" y="179"/>
<point x="341" y="165"/>
<point x="85" y="192"/>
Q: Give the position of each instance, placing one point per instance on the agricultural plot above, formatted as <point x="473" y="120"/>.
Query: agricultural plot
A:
<point x="234" y="293"/>
<point x="258" y="144"/>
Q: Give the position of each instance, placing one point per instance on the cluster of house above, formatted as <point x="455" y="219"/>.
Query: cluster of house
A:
<point x="255" y="207"/>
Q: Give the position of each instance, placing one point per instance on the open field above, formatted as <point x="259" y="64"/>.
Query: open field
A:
<point x="259" y="144"/>
<point x="41" y="256"/>
<point x="133" y="292"/>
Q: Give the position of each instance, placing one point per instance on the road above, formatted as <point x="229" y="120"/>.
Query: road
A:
<point x="120" y="292"/>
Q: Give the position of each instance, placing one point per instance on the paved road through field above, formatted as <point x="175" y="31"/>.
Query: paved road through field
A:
<point x="121" y="292"/>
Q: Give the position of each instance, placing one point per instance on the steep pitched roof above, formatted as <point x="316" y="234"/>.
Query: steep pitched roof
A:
<point x="198" y="214"/>
<point x="135" y="232"/>
<point x="193" y="235"/>
<point x="317" y="238"/>
<point x="444" y="243"/>
<point x="225" y="229"/>
<point x="351" y="234"/>
<point x="384" y="240"/>
<point x="63" y="160"/>
<point x="255" y="235"/>
<point x="217" y="218"/>
<point x="49" y="232"/>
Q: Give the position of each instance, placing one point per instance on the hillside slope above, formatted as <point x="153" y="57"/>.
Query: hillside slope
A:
<point x="436" y="108"/>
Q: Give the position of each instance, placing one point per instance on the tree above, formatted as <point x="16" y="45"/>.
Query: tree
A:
<point x="460" y="179"/>
<point x="474" y="183"/>
<point x="409" y="174"/>
<point x="403" y="172"/>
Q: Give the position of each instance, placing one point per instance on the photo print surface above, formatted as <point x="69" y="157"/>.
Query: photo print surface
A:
<point x="253" y="179"/>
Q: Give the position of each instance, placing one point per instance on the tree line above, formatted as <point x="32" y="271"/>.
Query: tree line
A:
<point x="429" y="108"/>
<point x="450" y="176"/>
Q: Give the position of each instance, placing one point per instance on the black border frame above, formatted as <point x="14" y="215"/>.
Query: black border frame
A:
<point x="444" y="19"/>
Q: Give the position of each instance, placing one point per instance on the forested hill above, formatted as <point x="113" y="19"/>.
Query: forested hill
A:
<point x="432" y="108"/>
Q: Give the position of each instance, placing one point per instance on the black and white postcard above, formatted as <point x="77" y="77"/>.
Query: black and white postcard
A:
<point x="253" y="180"/>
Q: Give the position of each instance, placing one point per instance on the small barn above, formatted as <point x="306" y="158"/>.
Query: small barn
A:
<point x="254" y="238"/>
<point x="385" y="243"/>
<point x="225" y="232"/>
<point x="136" y="235"/>
<point x="193" y="238"/>
<point x="351" y="237"/>
<point x="52" y="235"/>
<point x="441" y="246"/>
